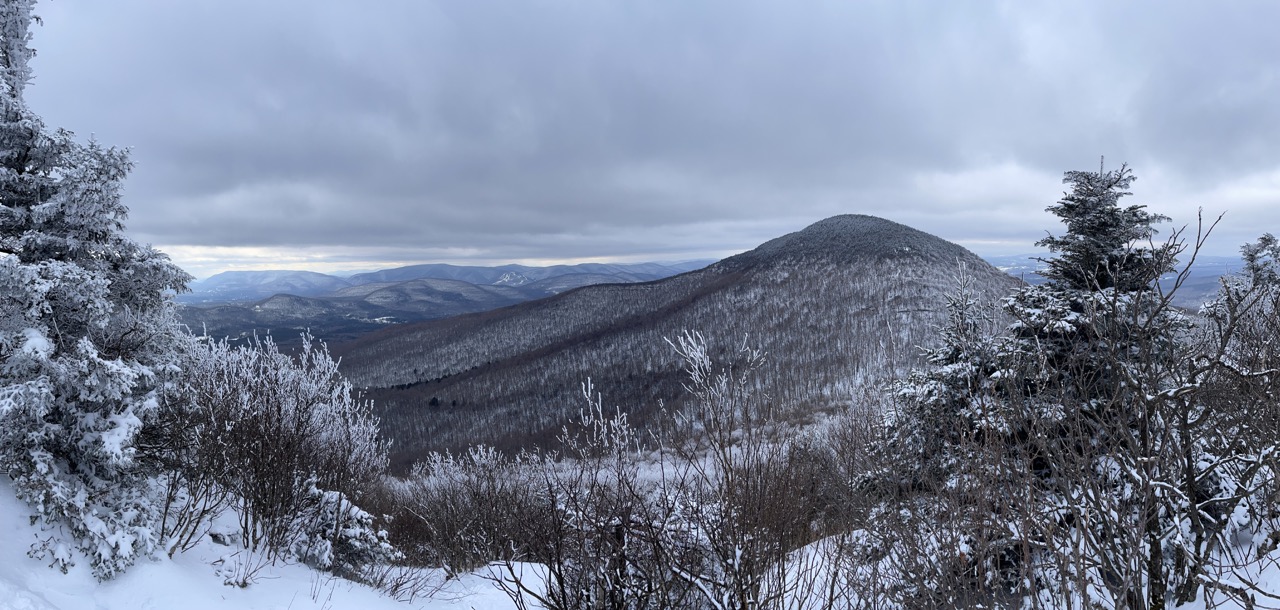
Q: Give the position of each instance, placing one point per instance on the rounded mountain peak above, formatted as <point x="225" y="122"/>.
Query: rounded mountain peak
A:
<point x="851" y="237"/>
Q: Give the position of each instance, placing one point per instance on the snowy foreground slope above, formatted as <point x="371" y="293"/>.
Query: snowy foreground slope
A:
<point x="189" y="582"/>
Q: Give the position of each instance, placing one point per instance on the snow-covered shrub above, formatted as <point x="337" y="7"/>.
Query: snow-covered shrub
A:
<point x="86" y="331"/>
<point x="711" y="513"/>
<point x="602" y="536"/>
<point x="335" y="534"/>
<point x="463" y="511"/>
<point x="270" y="431"/>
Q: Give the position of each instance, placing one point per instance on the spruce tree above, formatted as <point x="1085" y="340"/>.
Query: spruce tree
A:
<point x="1104" y="408"/>
<point x="1103" y="246"/>
<point x="86" y="329"/>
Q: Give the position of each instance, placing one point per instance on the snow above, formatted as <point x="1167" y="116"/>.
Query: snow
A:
<point x="36" y="343"/>
<point x="189" y="581"/>
<point x="124" y="428"/>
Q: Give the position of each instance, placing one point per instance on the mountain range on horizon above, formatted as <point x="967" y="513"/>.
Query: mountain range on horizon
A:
<point x="252" y="285"/>
<point x="237" y="304"/>
<point x="285" y="303"/>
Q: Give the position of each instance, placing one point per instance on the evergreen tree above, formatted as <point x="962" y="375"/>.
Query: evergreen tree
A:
<point x="1102" y="301"/>
<point x="1129" y="429"/>
<point x="1102" y="247"/>
<point x="86" y="329"/>
<point x="1067" y="338"/>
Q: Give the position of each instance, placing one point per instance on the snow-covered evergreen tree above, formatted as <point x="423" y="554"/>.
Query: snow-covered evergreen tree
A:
<point x="1102" y="247"/>
<point x="1104" y="407"/>
<point x="86" y="329"/>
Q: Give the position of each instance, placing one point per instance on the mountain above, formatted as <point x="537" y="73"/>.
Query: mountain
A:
<point x="836" y="305"/>
<point x="234" y="286"/>
<point x="285" y="303"/>
<point x="516" y="275"/>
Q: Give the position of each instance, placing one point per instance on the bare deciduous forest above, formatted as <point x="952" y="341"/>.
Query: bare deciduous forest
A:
<point x="840" y="306"/>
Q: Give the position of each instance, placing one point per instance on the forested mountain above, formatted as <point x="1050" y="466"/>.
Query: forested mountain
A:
<point x="248" y="286"/>
<point x="517" y="275"/>
<point x="235" y="286"/>
<point x="845" y="300"/>
<point x="286" y="303"/>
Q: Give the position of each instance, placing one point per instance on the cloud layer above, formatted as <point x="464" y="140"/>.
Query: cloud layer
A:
<point x="308" y="132"/>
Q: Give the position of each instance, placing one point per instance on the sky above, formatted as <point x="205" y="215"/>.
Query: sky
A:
<point x="324" y="135"/>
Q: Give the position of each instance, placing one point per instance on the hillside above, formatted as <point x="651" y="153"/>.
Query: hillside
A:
<point x="835" y="305"/>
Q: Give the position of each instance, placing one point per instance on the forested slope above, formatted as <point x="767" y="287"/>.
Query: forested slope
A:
<point x="845" y="300"/>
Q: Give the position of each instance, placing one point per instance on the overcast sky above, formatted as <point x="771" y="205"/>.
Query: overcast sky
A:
<point x="325" y="135"/>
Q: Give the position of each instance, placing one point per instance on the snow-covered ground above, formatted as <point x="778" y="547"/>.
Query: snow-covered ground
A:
<point x="189" y="582"/>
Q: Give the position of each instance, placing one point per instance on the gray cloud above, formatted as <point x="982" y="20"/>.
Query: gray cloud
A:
<point x="562" y="129"/>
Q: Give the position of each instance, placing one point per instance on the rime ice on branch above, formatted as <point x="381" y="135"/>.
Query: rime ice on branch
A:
<point x="86" y="329"/>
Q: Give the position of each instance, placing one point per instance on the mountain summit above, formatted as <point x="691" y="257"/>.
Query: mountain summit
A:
<point x="837" y="306"/>
<point x="854" y="239"/>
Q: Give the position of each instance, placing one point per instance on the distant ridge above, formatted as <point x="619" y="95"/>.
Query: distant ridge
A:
<point x="251" y="285"/>
<point x="837" y="305"/>
<point x="520" y="274"/>
<point x="284" y="303"/>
